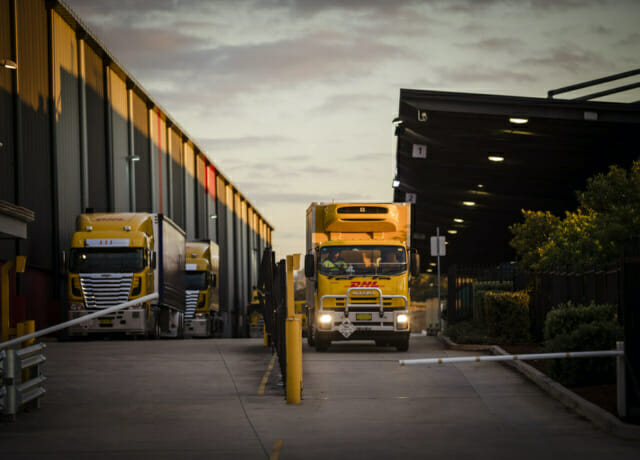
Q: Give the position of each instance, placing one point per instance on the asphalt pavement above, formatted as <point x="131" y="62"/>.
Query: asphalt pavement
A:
<point x="216" y="398"/>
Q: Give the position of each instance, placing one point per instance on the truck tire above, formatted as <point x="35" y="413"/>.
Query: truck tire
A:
<point x="310" y="338"/>
<point x="322" y="343"/>
<point x="402" y="344"/>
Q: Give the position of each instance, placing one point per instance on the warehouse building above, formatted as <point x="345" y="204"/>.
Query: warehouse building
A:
<point x="77" y="131"/>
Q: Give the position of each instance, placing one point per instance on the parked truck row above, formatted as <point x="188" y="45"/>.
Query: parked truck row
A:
<point x="117" y="257"/>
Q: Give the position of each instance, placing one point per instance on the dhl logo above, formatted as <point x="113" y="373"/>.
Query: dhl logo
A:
<point x="364" y="284"/>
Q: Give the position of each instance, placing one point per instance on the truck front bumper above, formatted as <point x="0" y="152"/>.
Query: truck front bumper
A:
<point x="130" y="321"/>
<point x="197" y="327"/>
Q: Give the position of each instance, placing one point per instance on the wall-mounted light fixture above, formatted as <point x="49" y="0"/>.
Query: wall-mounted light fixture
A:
<point x="8" y="64"/>
<point x="496" y="158"/>
<point x="133" y="158"/>
<point x="458" y="220"/>
<point x="396" y="183"/>
<point x="213" y="217"/>
<point x="518" y="121"/>
<point x="452" y="232"/>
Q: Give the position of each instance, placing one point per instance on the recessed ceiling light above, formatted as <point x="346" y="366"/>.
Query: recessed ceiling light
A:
<point x="429" y="270"/>
<point x="453" y="232"/>
<point x="480" y="186"/>
<point x="469" y="203"/>
<point x="433" y="264"/>
<point x="458" y="220"/>
<point x="518" y="121"/>
<point x="496" y="158"/>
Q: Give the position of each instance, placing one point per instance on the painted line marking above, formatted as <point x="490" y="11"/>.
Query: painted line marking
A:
<point x="275" y="453"/>
<point x="265" y="379"/>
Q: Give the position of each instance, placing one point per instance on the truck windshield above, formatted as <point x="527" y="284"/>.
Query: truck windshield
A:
<point x="195" y="281"/>
<point x="363" y="260"/>
<point x="99" y="260"/>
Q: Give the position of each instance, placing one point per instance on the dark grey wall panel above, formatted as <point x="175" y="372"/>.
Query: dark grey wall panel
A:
<point x="119" y="143"/>
<point x="213" y="221"/>
<point x="141" y="148"/>
<point x="97" y="156"/>
<point x="7" y="173"/>
<point x="34" y="98"/>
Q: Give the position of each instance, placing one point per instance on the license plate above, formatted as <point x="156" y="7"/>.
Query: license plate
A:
<point x="363" y="316"/>
<point x="106" y="322"/>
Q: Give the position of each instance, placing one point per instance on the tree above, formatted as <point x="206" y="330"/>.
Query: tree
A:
<point x="595" y="233"/>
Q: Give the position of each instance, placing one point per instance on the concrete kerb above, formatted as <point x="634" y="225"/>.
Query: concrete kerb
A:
<point x="595" y="414"/>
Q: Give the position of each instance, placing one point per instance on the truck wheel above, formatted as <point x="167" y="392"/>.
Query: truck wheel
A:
<point x="322" y="343"/>
<point x="403" y="344"/>
<point x="310" y="338"/>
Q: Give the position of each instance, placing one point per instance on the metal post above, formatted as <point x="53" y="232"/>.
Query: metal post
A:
<point x="439" y="309"/>
<point x="10" y="376"/>
<point x="621" y="390"/>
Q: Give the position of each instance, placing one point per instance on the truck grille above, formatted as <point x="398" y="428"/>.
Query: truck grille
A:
<point x="105" y="290"/>
<point x="191" y="303"/>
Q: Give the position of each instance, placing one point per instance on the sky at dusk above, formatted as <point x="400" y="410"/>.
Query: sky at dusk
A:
<point x="294" y="100"/>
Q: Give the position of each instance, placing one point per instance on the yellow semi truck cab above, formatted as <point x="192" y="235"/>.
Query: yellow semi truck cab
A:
<point x="358" y="265"/>
<point x="117" y="257"/>
<point x="202" y="301"/>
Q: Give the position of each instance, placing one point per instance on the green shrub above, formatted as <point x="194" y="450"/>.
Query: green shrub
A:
<point x="468" y="332"/>
<point x="507" y="316"/>
<point x="582" y="328"/>
<point x="480" y="288"/>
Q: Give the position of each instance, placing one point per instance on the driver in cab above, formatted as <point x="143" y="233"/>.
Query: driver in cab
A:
<point x="334" y="263"/>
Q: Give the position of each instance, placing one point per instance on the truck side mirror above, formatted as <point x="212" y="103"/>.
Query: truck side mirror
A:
<point x="213" y="280"/>
<point x="153" y="260"/>
<point x="64" y="266"/>
<point x="415" y="264"/>
<point x="309" y="265"/>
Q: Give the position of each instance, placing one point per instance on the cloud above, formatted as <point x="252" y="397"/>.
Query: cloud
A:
<point x="234" y="143"/>
<point x="570" y="58"/>
<point x="474" y="74"/>
<point x="495" y="44"/>
<point x="358" y="102"/>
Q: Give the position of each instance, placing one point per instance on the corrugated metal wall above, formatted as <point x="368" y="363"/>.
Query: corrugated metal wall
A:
<point x="119" y="154"/>
<point x="96" y="146"/>
<point x="142" y="167"/>
<point x="67" y="133"/>
<point x="34" y="74"/>
<point x="201" y="196"/>
<point x="76" y="100"/>
<point x="189" y="191"/>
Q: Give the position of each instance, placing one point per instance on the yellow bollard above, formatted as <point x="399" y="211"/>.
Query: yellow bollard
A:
<point x="293" y="263"/>
<point x="294" y="361"/>
<point x="4" y="302"/>
<point x="265" y="336"/>
<point x="29" y="328"/>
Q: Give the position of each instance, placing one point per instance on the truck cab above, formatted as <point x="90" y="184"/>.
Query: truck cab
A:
<point x="202" y="300"/>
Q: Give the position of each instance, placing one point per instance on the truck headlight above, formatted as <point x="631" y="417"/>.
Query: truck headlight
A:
<point x="76" y="306"/>
<point x="402" y="321"/>
<point x="325" y="321"/>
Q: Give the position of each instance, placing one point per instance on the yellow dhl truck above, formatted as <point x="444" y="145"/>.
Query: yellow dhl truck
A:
<point x="117" y="257"/>
<point x="202" y="301"/>
<point x="357" y="265"/>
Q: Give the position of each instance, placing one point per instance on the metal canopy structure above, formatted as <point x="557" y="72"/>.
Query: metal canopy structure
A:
<point x="542" y="151"/>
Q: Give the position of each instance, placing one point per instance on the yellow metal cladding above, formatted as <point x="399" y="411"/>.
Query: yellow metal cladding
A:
<point x="189" y="159"/>
<point x="65" y="58"/>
